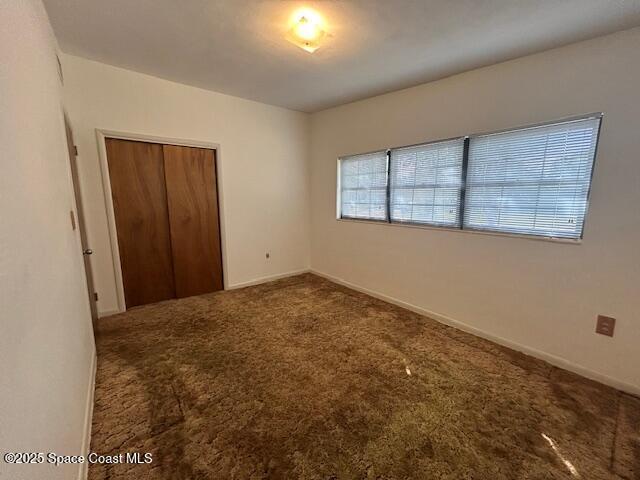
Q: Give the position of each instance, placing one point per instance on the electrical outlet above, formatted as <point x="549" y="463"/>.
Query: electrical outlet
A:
<point x="605" y="325"/>
<point x="267" y="255"/>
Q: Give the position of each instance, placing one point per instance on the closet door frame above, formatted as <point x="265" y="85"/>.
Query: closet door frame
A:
<point x="101" y="136"/>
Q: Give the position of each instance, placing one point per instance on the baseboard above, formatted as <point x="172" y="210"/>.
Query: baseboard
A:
<point x="106" y="313"/>
<point x="233" y="286"/>
<point x="269" y="278"/>
<point x="550" y="358"/>
<point x="88" y="416"/>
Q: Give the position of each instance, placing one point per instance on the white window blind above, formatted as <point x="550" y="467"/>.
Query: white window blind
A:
<point x="426" y="182"/>
<point x="531" y="181"/>
<point x="363" y="186"/>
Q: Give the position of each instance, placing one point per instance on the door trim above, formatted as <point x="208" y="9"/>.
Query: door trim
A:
<point x="78" y="218"/>
<point x="101" y="136"/>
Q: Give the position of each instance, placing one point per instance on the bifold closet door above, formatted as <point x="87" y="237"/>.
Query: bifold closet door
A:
<point x="192" y="196"/>
<point x="137" y="176"/>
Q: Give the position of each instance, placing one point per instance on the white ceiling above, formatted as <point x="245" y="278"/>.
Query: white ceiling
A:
<point x="238" y="47"/>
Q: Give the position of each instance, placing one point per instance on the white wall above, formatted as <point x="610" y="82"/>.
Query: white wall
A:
<point x="263" y="162"/>
<point x="539" y="294"/>
<point x="46" y="340"/>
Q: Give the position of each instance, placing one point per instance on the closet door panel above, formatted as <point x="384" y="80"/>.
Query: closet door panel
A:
<point x="193" y="216"/>
<point x="136" y="171"/>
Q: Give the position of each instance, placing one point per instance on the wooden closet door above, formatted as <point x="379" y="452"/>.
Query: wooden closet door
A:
<point x="193" y="215"/>
<point x="136" y="171"/>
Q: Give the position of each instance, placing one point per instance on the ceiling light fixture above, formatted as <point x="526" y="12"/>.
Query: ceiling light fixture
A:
<point x="306" y="31"/>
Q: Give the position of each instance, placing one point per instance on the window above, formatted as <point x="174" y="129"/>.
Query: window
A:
<point x="531" y="181"/>
<point x="426" y="182"/>
<point x="363" y="186"/>
<point x="528" y="181"/>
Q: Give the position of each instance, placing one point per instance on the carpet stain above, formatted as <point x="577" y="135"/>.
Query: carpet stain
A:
<point x="305" y="379"/>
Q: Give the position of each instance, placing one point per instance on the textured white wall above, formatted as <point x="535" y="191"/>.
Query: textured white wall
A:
<point x="263" y="161"/>
<point x="539" y="294"/>
<point x="46" y="340"/>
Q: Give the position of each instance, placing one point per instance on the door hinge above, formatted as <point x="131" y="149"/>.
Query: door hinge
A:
<point x="75" y="150"/>
<point x="95" y="296"/>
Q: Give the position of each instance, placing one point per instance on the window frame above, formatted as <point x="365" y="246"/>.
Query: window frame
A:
<point x="467" y="139"/>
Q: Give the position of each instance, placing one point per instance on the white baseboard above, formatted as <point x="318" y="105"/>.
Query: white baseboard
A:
<point x="233" y="286"/>
<point x="88" y="417"/>
<point x="269" y="278"/>
<point x="550" y="358"/>
<point x="106" y="313"/>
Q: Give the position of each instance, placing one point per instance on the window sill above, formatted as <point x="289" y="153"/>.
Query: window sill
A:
<point x="566" y="241"/>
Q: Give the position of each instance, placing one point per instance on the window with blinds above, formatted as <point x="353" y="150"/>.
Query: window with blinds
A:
<point x="363" y="186"/>
<point x="425" y="183"/>
<point x="532" y="181"/>
<point x="527" y="181"/>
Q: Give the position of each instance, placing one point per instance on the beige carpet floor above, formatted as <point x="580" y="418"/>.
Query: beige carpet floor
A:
<point x="304" y="379"/>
